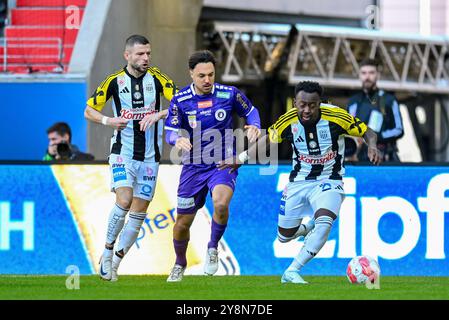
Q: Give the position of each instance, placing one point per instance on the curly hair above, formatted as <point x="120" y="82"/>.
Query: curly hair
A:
<point x="309" y="87"/>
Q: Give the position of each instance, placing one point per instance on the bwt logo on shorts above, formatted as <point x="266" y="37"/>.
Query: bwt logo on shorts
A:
<point x="185" y="203"/>
<point x="149" y="178"/>
<point x="136" y="113"/>
<point x="119" y="174"/>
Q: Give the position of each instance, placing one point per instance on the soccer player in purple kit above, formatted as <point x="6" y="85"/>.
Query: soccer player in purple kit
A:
<point x="204" y="110"/>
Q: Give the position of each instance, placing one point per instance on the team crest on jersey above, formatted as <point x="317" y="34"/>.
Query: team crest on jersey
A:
<point x="121" y="81"/>
<point x="148" y="87"/>
<point x="192" y="121"/>
<point x="323" y="134"/>
<point x="220" y="114"/>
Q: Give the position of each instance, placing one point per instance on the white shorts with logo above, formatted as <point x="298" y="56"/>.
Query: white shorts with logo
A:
<point x="303" y="198"/>
<point x="138" y="175"/>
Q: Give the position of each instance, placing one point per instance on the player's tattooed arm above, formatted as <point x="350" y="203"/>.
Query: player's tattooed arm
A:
<point x="373" y="153"/>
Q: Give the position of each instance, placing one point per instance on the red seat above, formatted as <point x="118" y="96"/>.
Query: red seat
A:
<point x="42" y="17"/>
<point x="41" y="37"/>
<point x="50" y="3"/>
<point x="67" y="36"/>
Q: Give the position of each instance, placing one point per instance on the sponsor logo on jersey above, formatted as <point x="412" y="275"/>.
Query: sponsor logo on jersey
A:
<point x="137" y="95"/>
<point x="220" y="114"/>
<point x="186" y="203"/>
<point x="313" y="144"/>
<point x="191" y="112"/>
<point x="318" y="159"/>
<point x="184" y="98"/>
<point x="241" y="101"/>
<point x="136" y="113"/>
<point x="205" y="104"/>
<point x="174" y="110"/>
<point x="207" y="112"/>
<point x="223" y="95"/>
<point x="146" y="190"/>
<point x="192" y="121"/>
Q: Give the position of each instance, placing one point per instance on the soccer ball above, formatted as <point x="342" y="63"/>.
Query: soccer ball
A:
<point x="362" y="269"/>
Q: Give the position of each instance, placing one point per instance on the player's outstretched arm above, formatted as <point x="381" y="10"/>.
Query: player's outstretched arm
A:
<point x="263" y="145"/>
<point x="373" y="153"/>
<point x="96" y="116"/>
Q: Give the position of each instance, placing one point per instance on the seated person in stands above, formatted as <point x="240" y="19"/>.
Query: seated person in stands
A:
<point x="60" y="145"/>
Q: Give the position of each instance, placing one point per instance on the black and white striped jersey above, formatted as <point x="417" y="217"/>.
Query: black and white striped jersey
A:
<point x="319" y="148"/>
<point x="132" y="99"/>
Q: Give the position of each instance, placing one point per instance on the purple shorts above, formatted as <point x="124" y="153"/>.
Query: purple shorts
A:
<point x="196" y="181"/>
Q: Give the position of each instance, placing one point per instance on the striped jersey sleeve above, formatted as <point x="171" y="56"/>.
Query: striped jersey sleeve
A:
<point x="102" y="93"/>
<point x="350" y="124"/>
<point x="277" y="131"/>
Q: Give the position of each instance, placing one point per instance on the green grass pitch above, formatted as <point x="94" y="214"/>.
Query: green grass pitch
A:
<point x="220" y="288"/>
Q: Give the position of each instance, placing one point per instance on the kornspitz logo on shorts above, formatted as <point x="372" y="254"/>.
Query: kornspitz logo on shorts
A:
<point x="220" y="114"/>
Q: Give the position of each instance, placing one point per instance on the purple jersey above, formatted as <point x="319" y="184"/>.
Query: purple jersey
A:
<point x="207" y="119"/>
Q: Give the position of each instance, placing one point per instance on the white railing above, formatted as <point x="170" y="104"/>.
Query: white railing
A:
<point x="13" y="43"/>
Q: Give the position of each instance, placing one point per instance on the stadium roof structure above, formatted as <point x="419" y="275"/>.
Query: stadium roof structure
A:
<point x="330" y="55"/>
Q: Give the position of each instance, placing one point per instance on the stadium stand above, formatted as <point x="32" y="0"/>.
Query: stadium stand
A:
<point x="41" y="35"/>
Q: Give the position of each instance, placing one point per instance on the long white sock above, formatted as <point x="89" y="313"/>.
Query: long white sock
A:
<point x="115" y="223"/>
<point x="315" y="240"/>
<point x="130" y="232"/>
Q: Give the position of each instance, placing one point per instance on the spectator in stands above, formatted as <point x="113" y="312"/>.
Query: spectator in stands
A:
<point x="379" y="110"/>
<point x="60" y="145"/>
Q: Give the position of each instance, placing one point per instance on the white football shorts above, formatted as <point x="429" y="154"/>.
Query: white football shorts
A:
<point x="138" y="175"/>
<point x="303" y="198"/>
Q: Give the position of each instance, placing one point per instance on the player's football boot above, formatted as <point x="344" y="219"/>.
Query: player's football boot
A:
<point x="291" y="276"/>
<point x="211" y="262"/>
<point x="105" y="270"/>
<point x="176" y="273"/>
<point x="114" y="266"/>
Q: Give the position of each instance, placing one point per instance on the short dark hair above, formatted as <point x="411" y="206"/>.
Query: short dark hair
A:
<point x="61" y="128"/>
<point x="136" y="39"/>
<point x="203" y="56"/>
<point x="369" y="62"/>
<point x="309" y="87"/>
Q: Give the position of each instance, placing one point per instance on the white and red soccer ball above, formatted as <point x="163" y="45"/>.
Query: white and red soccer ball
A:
<point x="362" y="269"/>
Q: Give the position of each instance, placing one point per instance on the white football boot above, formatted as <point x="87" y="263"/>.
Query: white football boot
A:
<point x="292" y="276"/>
<point x="105" y="270"/>
<point x="211" y="262"/>
<point x="114" y="267"/>
<point x="176" y="273"/>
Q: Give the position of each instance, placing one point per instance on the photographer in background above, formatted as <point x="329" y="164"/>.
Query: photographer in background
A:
<point x="60" y="145"/>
